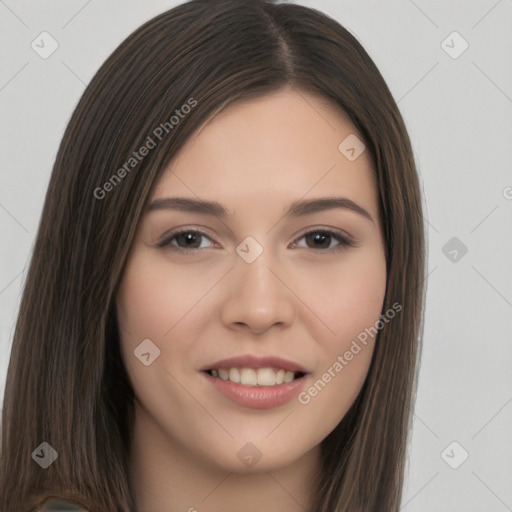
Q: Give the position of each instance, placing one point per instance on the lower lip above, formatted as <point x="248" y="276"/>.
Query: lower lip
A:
<point x="257" y="397"/>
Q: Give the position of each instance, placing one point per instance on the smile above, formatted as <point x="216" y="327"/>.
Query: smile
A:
<point x="255" y="376"/>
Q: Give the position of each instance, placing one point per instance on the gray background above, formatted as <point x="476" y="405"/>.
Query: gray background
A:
<point x="458" y="112"/>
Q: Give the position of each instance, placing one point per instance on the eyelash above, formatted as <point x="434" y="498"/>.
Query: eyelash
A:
<point x="343" y="240"/>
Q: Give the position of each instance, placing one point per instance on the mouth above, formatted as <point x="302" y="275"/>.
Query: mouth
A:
<point x="256" y="381"/>
<point x="247" y="376"/>
<point x="256" y="387"/>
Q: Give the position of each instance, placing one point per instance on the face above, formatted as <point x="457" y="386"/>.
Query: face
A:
<point x="256" y="288"/>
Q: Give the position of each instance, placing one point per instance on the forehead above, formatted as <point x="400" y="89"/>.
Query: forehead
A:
<point x="275" y="148"/>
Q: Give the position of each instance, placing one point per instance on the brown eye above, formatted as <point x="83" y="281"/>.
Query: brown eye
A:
<point x="319" y="240"/>
<point x="186" y="239"/>
<point x="322" y="239"/>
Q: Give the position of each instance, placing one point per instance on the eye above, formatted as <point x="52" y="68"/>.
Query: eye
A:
<point x="321" y="239"/>
<point x="189" y="240"/>
<point x="186" y="240"/>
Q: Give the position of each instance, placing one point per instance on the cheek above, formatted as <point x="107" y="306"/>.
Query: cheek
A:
<point x="346" y="358"/>
<point x="346" y="298"/>
<point x="349" y="303"/>
<point x="150" y="306"/>
<point x="147" y="308"/>
<point x="152" y="300"/>
<point x="162" y="304"/>
<point x="138" y="302"/>
<point x="361" y="295"/>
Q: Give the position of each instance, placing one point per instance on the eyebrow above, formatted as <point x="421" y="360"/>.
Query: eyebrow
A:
<point x="295" y="209"/>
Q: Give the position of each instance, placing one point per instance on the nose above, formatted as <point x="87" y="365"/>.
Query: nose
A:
<point x="259" y="298"/>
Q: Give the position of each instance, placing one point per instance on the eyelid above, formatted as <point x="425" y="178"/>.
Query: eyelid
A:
<point x="343" y="237"/>
<point x="165" y="239"/>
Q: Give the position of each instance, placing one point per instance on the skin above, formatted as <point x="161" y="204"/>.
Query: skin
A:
<point x="298" y="302"/>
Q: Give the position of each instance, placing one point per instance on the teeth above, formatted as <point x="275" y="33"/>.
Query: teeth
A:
<point x="266" y="377"/>
<point x="234" y="375"/>
<point x="288" y="376"/>
<point x="254" y="377"/>
<point x="248" y="377"/>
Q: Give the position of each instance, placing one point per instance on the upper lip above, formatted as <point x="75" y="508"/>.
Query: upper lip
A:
<point x="251" y="361"/>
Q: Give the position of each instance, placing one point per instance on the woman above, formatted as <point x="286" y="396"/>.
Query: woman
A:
<point x="224" y="305"/>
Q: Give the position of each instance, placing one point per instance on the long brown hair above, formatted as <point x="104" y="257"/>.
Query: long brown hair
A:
<point x="66" y="384"/>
